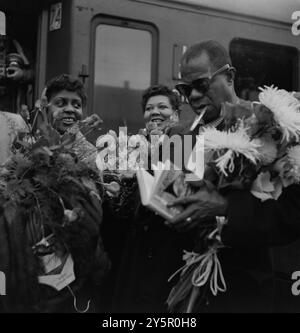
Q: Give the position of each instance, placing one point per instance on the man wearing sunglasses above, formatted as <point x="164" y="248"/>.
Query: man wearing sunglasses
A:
<point x="208" y="79"/>
<point x="252" y="226"/>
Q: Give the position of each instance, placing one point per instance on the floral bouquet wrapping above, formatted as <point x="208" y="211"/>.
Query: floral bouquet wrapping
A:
<point x="257" y="149"/>
<point x="118" y="159"/>
<point x="50" y="243"/>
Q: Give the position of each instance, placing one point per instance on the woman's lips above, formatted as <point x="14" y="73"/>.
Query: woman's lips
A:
<point x="157" y="120"/>
<point x="68" y="121"/>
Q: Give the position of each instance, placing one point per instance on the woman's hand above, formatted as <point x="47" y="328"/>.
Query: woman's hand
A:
<point x="93" y="121"/>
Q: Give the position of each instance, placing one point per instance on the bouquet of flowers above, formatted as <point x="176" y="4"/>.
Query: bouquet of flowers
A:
<point x="118" y="159"/>
<point x="257" y="149"/>
<point x="51" y="212"/>
<point x="257" y="138"/>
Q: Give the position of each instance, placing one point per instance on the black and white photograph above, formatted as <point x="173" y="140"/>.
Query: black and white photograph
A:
<point x="149" y="159"/>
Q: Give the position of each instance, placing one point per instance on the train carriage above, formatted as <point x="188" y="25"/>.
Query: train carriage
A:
<point x="119" y="47"/>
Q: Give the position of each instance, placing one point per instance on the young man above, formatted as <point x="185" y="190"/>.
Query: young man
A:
<point x="253" y="226"/>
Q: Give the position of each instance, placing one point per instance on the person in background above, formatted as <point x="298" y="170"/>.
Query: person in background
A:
<point x="16" y="77"/>
<point x="10" y="125"/>
<point x="161" y="109"/>
<point x="152" y="251"/>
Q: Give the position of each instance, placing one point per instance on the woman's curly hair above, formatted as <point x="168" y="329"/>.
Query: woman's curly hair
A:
<point x="158" y="90"/>
<point x="65" y="82"/>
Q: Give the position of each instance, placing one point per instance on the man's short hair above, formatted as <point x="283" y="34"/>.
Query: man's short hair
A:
<point x="162" y="90"/>
<point x="65" y="82"/>
<point x="217" y="53"/>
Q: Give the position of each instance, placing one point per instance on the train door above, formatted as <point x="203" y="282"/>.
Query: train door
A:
<point x="124" y="62"/>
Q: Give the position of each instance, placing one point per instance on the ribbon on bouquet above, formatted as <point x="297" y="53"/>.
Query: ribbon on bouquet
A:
<point x="209" y="267"/>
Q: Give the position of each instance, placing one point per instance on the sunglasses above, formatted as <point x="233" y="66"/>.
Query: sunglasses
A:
<point x="201" y="85"/>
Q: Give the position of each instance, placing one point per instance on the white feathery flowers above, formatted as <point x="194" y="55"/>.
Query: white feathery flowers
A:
<point x="235" y="143"/>
<point x="268" y="150"/>
<point x="285" y="108"/>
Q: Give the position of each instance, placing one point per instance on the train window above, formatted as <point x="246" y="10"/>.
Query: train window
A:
<point x="122" y="70"/>
<point x="260" y="64"/>
<point x="2" y="23"/>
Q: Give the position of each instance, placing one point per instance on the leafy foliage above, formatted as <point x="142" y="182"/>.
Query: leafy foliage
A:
<point x="45" y="189"/>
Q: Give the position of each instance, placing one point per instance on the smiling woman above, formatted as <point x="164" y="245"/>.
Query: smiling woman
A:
<point x="152" y="250"/>
<point x="66" y="97"/>
<point x="159" y="104"/>
<point x="62" y="104"/>
<point x="66" y="109"/>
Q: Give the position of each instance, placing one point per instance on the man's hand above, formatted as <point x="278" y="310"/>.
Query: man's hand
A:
<point x="204" y="204"/>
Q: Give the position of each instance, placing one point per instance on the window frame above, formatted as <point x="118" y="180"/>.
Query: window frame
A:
<point x="273" y="46"/>
<point x="122" y="23"/>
